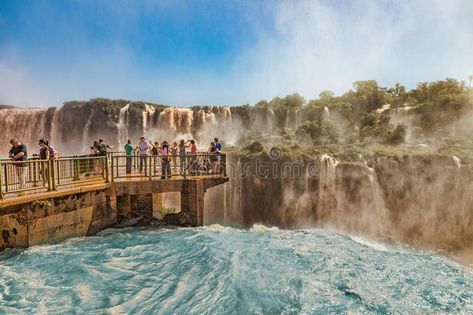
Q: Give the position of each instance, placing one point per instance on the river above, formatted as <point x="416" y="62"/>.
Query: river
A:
<point x="225" y="270"/>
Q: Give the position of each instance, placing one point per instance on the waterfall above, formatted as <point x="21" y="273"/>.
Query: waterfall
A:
<point x="326" y="114"/>
<point x="327" y="195"/>
<point x="56" y="132"/>
<point x="27" y="125"/>
<point x="85" y="135"/>
<point x="457" y="161"/>
<point x="378" y="200"/>
<point x="122" y="126"/>
<point x="176" y="120"/>
<point x="147" y="116"/>
<point x="298" y="118"/>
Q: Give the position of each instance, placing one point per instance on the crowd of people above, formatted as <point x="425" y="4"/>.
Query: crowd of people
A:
<point x="180" y="156"/>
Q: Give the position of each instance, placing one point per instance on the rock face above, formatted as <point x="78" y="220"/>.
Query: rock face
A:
<point x="421" y="200"/>
<point x="73" y="127"/>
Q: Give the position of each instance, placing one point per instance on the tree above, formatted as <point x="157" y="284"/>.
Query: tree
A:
<point x="368" y="95"/>
<point x="326" y="94"/>
<point x="398" y="95"/>
<point x="294" y="100"/>
<point x="470" y="78"/>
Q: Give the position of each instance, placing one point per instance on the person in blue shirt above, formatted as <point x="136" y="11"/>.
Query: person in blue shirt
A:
<point x="218" y="147"/>
<point x="129" y="155"/>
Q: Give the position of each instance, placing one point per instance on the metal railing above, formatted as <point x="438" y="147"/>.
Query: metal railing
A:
<point x="43" y="175"/>
<point x="158" y="166"/>
<point x="40" y="175"/>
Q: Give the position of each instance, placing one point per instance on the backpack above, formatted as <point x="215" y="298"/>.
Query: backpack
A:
<point x="102" y="149"/>
<point x="53" y="154"/>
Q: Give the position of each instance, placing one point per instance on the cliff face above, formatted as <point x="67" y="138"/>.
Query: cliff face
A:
<point x="73" y="127"/>
<point x="422" y="197"/>
<point x="423" y="200"/>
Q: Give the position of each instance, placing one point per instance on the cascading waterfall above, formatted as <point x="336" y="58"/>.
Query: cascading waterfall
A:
<point x="147" y="117"/>
<point x="85" y="135"/>
<point x="56" y="128"/>
<point x="326" y="114"/>
<point x="327" y="195"/>
<point x="178" y="120"/>
<point x="25" y="124"/>
<point x="457" y="161"/>
<point x="122" y="126"/>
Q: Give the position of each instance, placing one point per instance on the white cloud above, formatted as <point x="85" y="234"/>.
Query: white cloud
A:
<point x="323" y="45"/>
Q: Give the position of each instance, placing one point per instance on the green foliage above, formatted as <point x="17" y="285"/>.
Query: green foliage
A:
<point x="376" y="128"/>
<point x="318" y="132"/>
<point x="255" y="147"/>
<point x="395" y="136"/>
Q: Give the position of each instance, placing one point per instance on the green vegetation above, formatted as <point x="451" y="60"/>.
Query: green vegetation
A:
<point x="368" y="120"/>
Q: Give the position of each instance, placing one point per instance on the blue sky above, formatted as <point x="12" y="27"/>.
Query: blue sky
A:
<point x="224" y="52"/>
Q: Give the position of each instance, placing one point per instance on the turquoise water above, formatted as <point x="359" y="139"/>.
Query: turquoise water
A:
<point x="220" y="270"/>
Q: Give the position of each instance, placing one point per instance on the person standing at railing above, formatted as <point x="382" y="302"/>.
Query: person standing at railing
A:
<point x="166" y="161"/>
<point x="213" y="151"/>
<point x="143" y="148"/>
<point x="129" y="150"/>
<point x="155" y="148"/>
<point x="182" y="155"/>
<point x="44" y="155"/>
<point x="174" y="151"/>
<point x="218" y="146"/>
<point x="17" y="153"/>
<point x="193" y="159"/>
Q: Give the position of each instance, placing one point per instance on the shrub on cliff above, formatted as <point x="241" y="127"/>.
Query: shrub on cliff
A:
<point x="395" y="136"/>
<point x="255" y="147"/>
<point x="317" y="132"/>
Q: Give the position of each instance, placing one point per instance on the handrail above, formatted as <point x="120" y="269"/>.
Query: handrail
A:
<point x="47" y="175"/>
<point x="166" y="166"/>
<point x="36" y="175"/>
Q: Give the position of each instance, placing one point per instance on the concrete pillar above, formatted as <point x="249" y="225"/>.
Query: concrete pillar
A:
<point x="157" y="205"/>
<point x="192" y="200"/>
<point x="144" y="205"/>
<point x="124" y="205"/>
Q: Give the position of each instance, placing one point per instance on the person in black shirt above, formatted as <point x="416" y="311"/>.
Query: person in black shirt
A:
<point x="18" y="152"/>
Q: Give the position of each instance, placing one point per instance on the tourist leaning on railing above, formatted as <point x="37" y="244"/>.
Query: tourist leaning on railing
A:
<point x="129" y="156"/>
<point x="174" y="150"/>
<point x="166" y="161"/>
<point x="155" y="153"/>
<point x="19" y="152"/>
<point x="143" y="148"/>
<point x="213" y="151"/>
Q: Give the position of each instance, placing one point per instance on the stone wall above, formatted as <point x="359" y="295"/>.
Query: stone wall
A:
<point x="53" y="220"/>
<point x="55" y="216"/>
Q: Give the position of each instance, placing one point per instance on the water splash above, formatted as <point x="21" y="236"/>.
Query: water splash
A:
<point x="122" y="126"/>
<point x="219" y="269"/>
<point x="148" y="113"/>
<point x="85" y="134"/>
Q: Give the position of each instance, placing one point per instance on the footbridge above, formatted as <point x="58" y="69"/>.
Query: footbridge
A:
<point x="48" y="201"/>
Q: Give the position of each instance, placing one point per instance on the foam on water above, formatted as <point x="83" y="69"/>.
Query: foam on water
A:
<point x="219" y="269"/>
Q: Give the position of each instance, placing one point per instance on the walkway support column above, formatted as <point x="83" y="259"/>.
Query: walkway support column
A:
<point x="192" y="200"/>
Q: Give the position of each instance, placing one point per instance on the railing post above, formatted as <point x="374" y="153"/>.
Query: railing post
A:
<point x="52" y="175"/>
<point x="35" y="173"/>
<point x="150" y="168"/>
<point x="57" y="173"/>
<point x="107" y="171"/>
<point x="116" y="160"/>
<point x="6" y="177"/>
<point x="224" y="164"/>
<point x="76" y="167"/>
<point x="1" y="180"/>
